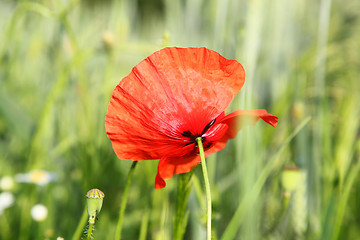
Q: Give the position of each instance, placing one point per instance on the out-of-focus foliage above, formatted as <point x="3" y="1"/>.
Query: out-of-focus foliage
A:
<point x="61" y="59"/>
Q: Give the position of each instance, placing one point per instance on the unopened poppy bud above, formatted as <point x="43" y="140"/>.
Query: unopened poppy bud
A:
<point x="94" y="203"/>
<point x="298" y="110"/>
<point x="290" y="179"/>
<point x="166" y="39"/>
<point x="108" y="40"/>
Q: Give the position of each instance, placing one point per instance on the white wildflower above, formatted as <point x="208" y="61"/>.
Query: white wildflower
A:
<point x="6" y="200"/>
<point x="39" y="212"/>
<point x="38" y="177"/>
<point x="6" y="183"/>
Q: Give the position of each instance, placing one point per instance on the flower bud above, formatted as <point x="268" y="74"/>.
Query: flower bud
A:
<point x="166" y="39"/>
<point x="298" y="111"/>
<point x="290" y="178"/>
<point x="94" y="203"/>
<point x="108" y="40"/>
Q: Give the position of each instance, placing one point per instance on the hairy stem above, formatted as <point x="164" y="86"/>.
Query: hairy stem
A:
<point x="89" y="232"/>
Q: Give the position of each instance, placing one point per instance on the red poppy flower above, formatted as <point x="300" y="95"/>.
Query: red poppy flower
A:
<point x="171" y="98"/>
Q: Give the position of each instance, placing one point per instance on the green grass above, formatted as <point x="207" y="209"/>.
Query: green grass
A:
<point x="60" y="61"/>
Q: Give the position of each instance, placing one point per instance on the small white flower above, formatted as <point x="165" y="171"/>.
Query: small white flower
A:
<point x="59" y="238"/>
<point x="6" y="200"/>
<point x="6" y="183"/>
<point x="39" y="212"/>
<point x="38" y="177"/>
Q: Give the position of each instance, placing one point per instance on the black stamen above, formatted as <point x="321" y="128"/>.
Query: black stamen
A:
<point x="208" y="126"/>
<point x="187" y="134"/>
<point x="207" y="144"/>
<point x="187" y="144"/>
<point x="193" y="137"/>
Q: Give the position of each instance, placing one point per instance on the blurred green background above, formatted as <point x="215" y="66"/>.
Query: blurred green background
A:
<point x="61" y="59"/>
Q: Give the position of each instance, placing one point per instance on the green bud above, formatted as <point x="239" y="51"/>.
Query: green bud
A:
<point x="166" y="39"/>
<point x="290" y="178"/>
<point x="94" y="203"/>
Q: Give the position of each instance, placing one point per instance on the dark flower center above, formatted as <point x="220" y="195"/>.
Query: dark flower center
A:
<point x="193" y="136"/>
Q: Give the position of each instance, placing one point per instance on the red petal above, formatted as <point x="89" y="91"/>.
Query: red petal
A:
<point x="228" y="126"/>
<point x="171" y="91"/>
<point x="159" y="182"/>
<point x="169" y="166"/>
<point x="236" y="120"/>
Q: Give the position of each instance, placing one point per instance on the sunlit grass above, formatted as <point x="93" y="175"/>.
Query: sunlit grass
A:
<point x="60" y="60"/>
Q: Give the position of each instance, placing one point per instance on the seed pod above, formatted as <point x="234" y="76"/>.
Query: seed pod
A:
<point x="94" y="203"/>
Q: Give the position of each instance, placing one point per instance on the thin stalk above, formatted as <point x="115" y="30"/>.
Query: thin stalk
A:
<point x="144" y="225"/>
<point x="123" y="201"/>
<point x="344" y="197"/>
<point x="79" y="229"/>
<point x="207" y="188"/>
<point x="182" y="214"/>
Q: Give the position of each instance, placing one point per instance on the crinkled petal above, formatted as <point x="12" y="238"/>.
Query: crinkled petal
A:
<point x="228" y="126"/>
<point x="232" y="123"/>
<point x="240" y="118"/>
<point x="172" y="91"/>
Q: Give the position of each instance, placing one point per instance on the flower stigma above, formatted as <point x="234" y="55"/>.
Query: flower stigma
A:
<point x="193" y="137"/>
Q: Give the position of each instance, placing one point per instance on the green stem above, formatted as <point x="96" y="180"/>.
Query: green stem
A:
<point x="207" y="187"/>
<point x="182" y="214"/>
<point x="79" y="229"/>
<point x="90" y="229"/>
<point x="123" y="201"/>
